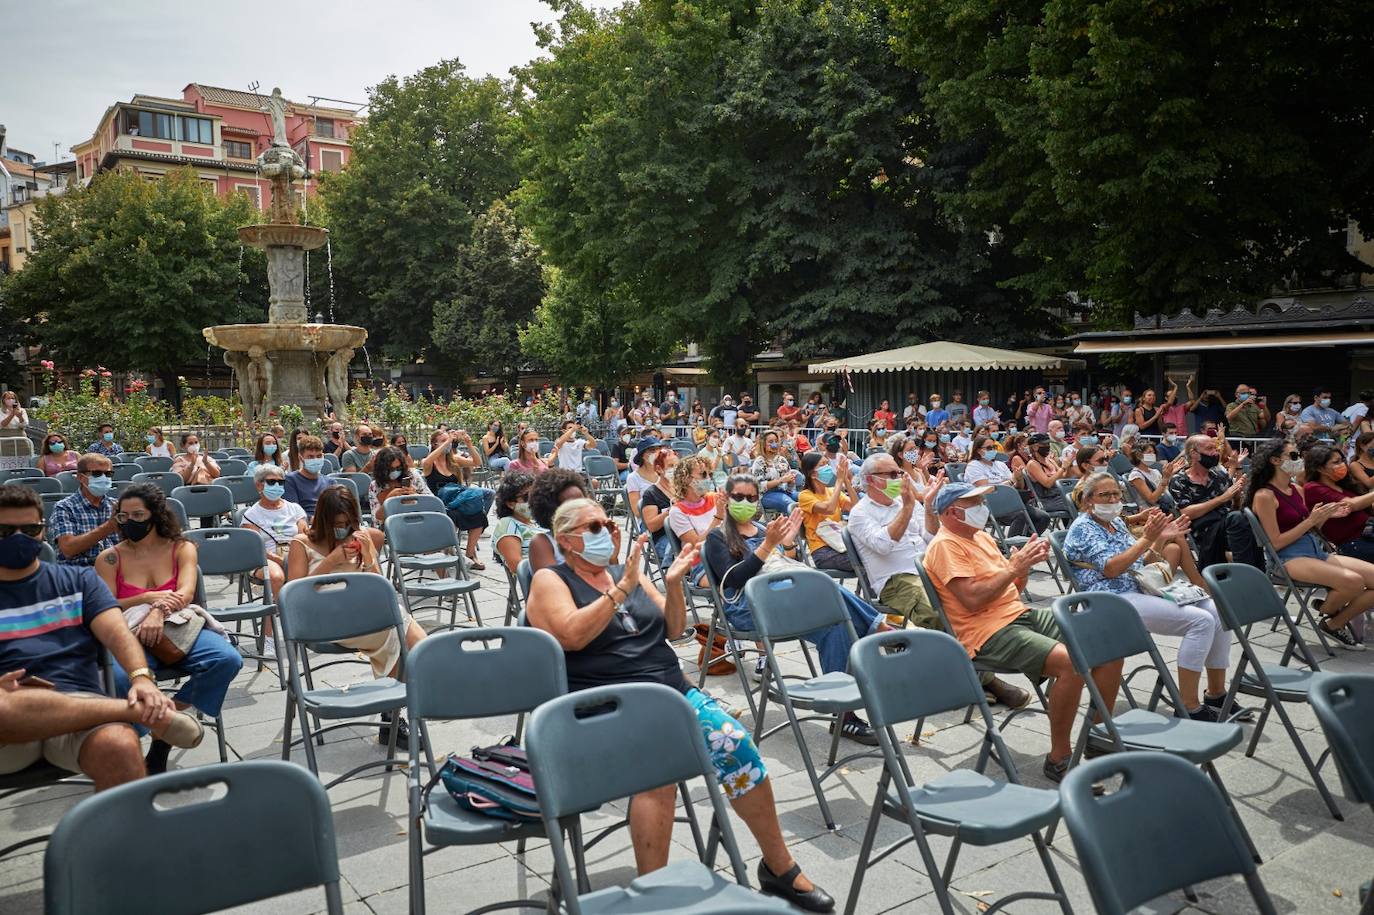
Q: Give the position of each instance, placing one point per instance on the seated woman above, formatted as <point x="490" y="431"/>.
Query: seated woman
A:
<point x="1279" y="505"/>
<point x="877" y="435"/>
<point x="54" y="457"/>
<point x="1148" y="479"/>
<point x="712" y="452"/>
<point x="736" y="552"/>
<point x="698" y="510"/>
<point x="827" y="493"/>
<point x="1103" y="553"/>
<point x="549" y="491"/>
<point x="527" y="459"/>
<point x="614" y="630"/>
<point x="1286" y="420"/>
<point x="152" y="573"/>
<point x="987" y="469"/>
<point x="393" y="475"/>
<point x="158" y="446"/>
<point x="335" y="543"/>
<point x="657" y="499"/>
<point x="495" y="447"/>
<point x="194" y="465"/>
<point x="275" y="521"/>
<point x="776" y="476"/>
<point x="914" y="460"/>
<point x="445" y="465"/>
<point x="1362" y="461"/>
<point x="510" y="538"/>
<point x="1042" y="472"/>
<point x="266" y="450"/>
<point x="1087" y="460"/>
<point x="1328" y="480"/>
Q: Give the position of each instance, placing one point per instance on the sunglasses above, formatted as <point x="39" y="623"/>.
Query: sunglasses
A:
<point x="33" y="530"/>
<point x="595" y="527"/>
<point x="743" y="497"/>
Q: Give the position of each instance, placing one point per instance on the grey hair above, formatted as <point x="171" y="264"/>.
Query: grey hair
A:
<point x="1089" y="483"/>
<point x="565" y="518"/>
<point x="871" y="464"/>
<point x="262" y="470"/>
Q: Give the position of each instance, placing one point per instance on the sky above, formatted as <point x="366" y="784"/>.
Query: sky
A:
<point x="66" y="61"/>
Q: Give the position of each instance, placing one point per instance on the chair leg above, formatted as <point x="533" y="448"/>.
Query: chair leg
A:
<point x="1212" y="772"/>
<point x="835" y="740"/>
<point x="805" y="751"/>
<point x="948" y="873"/>
<point x="417" y="867"/>
<point x="286" y="729"/>
<point x="1307" y="761"/>
<point x="307" y="742"/>
<point x="1052" y="872"/>
<point x="219" y="736"/>
<point x="866" y="848"/>
<point x="1258" y="729"/>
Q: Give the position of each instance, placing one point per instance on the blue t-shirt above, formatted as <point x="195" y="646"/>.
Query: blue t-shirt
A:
<point x="305" y="492"/>
<point x="935" y="417"/>
<point x="45" y="626"/>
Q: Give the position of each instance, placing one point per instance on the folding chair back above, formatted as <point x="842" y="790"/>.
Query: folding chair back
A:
<point x="954" y="471"/>
<point x="1164" y="828"/>
<point x="600" y="467"/>
<point x="232" y="466"/>
<point x="1057" y="538"/>
<point x="164" y="480"/>
<point x="450" y="674"/>
<point x="177" y="509"/>
<point x="1099" y="627"/>
<point x="1067" y="487"/>
<point x="152" y="463"/>
<point x="82" y="864"/>
<point x="241" y="487"/>
<point x="1344" y="704"/>
<point x="417" y="452"/>
<point x="523" y="574"/>
<point x="39" y="484"/>
<point x="359" y="490"/>
<point x="207" y="501"/>
<point x="602" y="447"/>
<point x="22" y="472"/>
<point x="419" y="532"/>
<point x="545" y="447"/>
<point x="228" y="550"/>
<point x="1243" y="594"/>
<point x="793" y="603"/>
<point x="328" y="608"/>
<point x="860" y="570"/>
<point x="237" y="452"/>
<point x="404" y="505"/>
<point x="331" y="462"/>
<point x="68" y="480"/>
<point x="908" y="674"/>
<point x="1004" y="501"/>
<point x="1120" y="465"/>
<point x="126" y="471"/>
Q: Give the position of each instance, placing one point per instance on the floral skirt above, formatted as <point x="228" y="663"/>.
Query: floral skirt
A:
<point x="739" y="768"/>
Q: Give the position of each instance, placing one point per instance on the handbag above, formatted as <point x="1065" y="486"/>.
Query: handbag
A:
<point x="178" y="635"/>
<point x="721" y="662"/>
<point x="1157" y="579"/>
<point x="832" y="533"/>
<point x="494" y="781"/>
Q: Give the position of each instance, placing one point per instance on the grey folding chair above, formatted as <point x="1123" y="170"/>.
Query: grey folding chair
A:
<point x="1244" y="596"/>
<point x="126" y="471"/>
<point x="241" y="453"/>
<point x="738" y="644"/>
<point x="241" y="487"/>
<point x="20" y="473"/>
<point x="1061" y="558"/>
<point x="219" y="455"/>
<point x="164" y="480"/>
<point x="1120" y="464"/>
<point x="577" y="746"/>
<point x="954" y="471"/>
<point x="450" y="677"/>
<point x="545" y="447"/>
<point x="232" y="466"/>
<point x="605" y="478"/>
<point x="1111" y="805"/>
<point x="401" y="505"/>
<point x="82" y="863"/>
<point x="40" y="484"/>
<point x="425" y="534"/>
<point x="1279" y="578"/>
<point x="514" y="603"/>
<point x="865" y="588"/>
<point x="50" y="499"/>
<point x="1067" y="487"/>
<point x="417" y="452"/>
<point x="68" y="481"/>
<point x="326" y="609"/>
<point x="360" y="485"/>
<point x="331" y="463"/>
<point x="175" y="507"/>
<point x="1344" y="704"/>
<point x="1004" y="505"/>
<point x="210" y="502"/>
<point x="152" y="463"/>
<point x="239" y="552"/>
<point x="905" y="676"/>
<point x="1098" y="628"/>
<point x="523" y="576"/>
<point x="694" y="595"/>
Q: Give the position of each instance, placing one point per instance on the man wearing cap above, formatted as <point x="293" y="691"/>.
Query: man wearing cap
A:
<point x="980" y="591"/>
<point x="890" y="529"/>
<point x="644" y="474"/>
<point x="725" y="411"/>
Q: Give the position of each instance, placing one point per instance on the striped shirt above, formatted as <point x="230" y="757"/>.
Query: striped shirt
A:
<point x="45" y="626"/>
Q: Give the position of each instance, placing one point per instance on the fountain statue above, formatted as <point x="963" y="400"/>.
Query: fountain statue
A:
<point x="287" y="360"/>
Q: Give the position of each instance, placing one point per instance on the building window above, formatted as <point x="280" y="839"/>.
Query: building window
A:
<point x="252" y="193"/>
<point x="324" y="127"/>
<point x="331" y="160"/>
<point x="236" y="150"/>
<point x="197" y="130"/>
<point x="152" y="124"/>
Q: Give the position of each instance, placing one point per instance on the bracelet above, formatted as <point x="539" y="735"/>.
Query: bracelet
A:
<point x="617" y="587"/>
<point x="141" y="672"/>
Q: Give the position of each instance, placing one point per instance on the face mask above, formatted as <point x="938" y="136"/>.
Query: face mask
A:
<point x="826" y="475"/>
<point x="1077" y="402"/>
<point x="1339" y="471"/>
<point x="1057" y="435"/>
<point x="393" y="475"/>
<point x="1293" y="467"/>
<point x="1126" y="399"/>
<point x="1326" y="401"/>
<point x="1168" y="438"/>
<point x="1011" y="430"/>
<point x="274" y="491"/>
<point x="931" y="443"/>
<point x="135" y="530"/>
<point x="18" y="550"/>
<point x="1147" y="458"/>
<point x="983" y="401"/>
<point x="700" y="488"/>
<point x="269" y="450"/>
<point x="743" y="509"/>
<point x="58" y="447"/>
<point x="342" y="533"/>
<point x="314" y="465"/>
<point x="989" y="455"/>
<point x="935" y="404"/>
<point x="1107" y="511"/>
<point x="99" y="485"/>
<point x="1208" y="461"/>
<point x="1042" y="450"/>
<point x="598" y="548"/>
<point x="893" y="488"/>
<point x="615" y="403"/>
<point x="532" y="447"/>
<point x="1242" y="397"/>
<point x="192" y="449"/>
<point x="910" y="456"/>
<point x="109" y="436"/>
<point x="944" y="436"/>
<point x="151" y="438"/>
<point x="625" y="439"/>
<point x="976" y="516"/>
<point x="1087" y="441"/>
<point x="997" y="436"/>
<point x="1040" y="398"/>
<point x="1294" y="407"/>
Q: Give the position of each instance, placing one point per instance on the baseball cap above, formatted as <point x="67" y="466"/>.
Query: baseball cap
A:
<point x="953" y="492"/>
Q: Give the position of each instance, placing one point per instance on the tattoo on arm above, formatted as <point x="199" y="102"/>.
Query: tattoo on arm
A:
<point x="110" y="559"/>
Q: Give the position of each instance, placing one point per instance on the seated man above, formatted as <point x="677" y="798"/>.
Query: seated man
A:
<point x="1321" y="419"/>
<point x="1206" y="494"/>
<point x="194" y="466"/>
<point x="105" y="444"/>
<point x="980" y="591"/>
<point x="358" y="459"/>
<point x="53" y="620"/>
<point x="890" y="533"/>
<point x="304" y="486"/>
<point x="1168" y="447"/>
<point x="83" y="523"/>
<point x="568" y="448"/>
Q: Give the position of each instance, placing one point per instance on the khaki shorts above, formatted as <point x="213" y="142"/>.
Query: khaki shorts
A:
<point x="63" y="751"/>
<point x="383" y="649"/>
<point x="1024" y="644"/>
<point x="904" y="592"/>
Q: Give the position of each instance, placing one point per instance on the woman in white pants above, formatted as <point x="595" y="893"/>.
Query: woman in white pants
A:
<point x="1103" y="552"/>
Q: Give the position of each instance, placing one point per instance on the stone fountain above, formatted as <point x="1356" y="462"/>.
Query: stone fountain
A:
<point x="287" y="360"/>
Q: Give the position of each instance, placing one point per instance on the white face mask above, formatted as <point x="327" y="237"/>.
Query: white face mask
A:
<point x="1107" y="511"/>
<point x="192" y="448"/>
<point x="1292" y="468"/>
<point x="977" y="516"/>
<point x="1148" y="458"/>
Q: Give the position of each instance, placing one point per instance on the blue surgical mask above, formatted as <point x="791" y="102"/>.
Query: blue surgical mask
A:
<point x="990" y="454"/>
<point x="944" y="437"/>
<point x="100" y="484"/>
<point x="342" y="533"/>
<point x="274" y="491"/>
<point x="826" y="475"/>
<point x="314" y="465"/>
<point x="1242" y="397"/>
<point x="58" y="447"/>
<point x="151" y="438"/>
<point x="1326" y="402"/>
<point x="1087" y="440"/>
<point x="598" y="548"/>
<point x="1126" y="398"/>
<point x="393" y="475"/>
<point x="108" y="436"/>
<point x="269" y="450"/>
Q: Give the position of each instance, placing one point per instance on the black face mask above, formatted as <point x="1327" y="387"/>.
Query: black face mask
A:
<point x="19" y="550"/>
<point x="1208" y="461"/>
<point x="135" y="531"/>
<point x="1043" y="450"/>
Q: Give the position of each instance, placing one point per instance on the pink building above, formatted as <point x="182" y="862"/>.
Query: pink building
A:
<point x="219" y="132"/>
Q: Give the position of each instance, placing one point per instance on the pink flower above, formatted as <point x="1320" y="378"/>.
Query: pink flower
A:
<point x="105" y="374"/>
<point x="47" y="364"/>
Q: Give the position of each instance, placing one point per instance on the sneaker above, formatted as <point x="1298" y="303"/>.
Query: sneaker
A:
<point x="1055" y="771"/>
<point x="402" y="733"/>
<point x="1003" y="693"/>
<point x="1343" y="636"/>
<point x="1205" y="712"/>
<point x="760" y="667"/>
<point x="1238" y="711"/>
<point x="856" y="729"/>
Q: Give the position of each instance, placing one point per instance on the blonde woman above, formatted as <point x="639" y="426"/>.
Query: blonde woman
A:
<point x="698" y="509"/>
<point x="774" y="474"/>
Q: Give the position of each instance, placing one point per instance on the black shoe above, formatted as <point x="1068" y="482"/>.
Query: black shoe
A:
<point x="402" y="733"/>
<point x="1205" y="712"/>
<point x="1343" y="636"/>
<point x="813" y="900"/>
<point x="857" y="730"/>
<point x="1238" y="711"/>
<point x="1055" y="771"/>
<point x="156" y="760"/>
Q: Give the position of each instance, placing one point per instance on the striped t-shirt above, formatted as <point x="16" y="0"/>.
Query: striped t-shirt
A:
<point x="45" y="626"/>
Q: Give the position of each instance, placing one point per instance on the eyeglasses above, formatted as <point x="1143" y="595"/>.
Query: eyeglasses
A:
<point x="885" y="475"/>
<point x="1106" y="496"/>
<point x="121" y="517"/>
<point x="33" y="530"/>
<point x="595" y="527"/>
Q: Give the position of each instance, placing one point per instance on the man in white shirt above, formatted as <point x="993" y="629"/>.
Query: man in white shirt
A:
<point x="890" y="529"/>
<point x="1359" y="409"/>
<point x="739" y="446"/>
<point x="725" y="411"/>
<point x="568" y="448"/>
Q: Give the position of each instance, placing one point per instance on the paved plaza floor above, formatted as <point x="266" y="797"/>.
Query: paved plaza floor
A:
<point x="1312" y="863"/>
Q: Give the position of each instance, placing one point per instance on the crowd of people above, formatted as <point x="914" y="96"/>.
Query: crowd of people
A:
<point x="711" y="498"/>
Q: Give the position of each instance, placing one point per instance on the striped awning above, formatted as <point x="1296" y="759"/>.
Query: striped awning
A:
<point x="941" y="356"/>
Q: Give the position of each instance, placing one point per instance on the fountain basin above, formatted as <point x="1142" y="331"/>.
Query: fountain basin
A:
<point x="286" y="235"/>
<point x="283" y="338"/>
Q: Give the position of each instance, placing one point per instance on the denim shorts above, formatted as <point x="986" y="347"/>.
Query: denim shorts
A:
<point x="1305" y="547"/>
<point x="735" y="757"/>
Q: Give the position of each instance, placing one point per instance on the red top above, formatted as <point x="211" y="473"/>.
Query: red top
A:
<point x="787" y="414"/>
<point x="123" y="589"/>
<point x="887" y="418"/>
<point x="1337" y="530"/>
<point x="1292" y="510"/>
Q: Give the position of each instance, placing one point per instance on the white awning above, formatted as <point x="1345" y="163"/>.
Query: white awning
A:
<point x="941" y="356"/>
<point x="1254" y="341"/>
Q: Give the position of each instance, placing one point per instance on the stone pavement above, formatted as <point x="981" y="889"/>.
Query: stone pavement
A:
<point x="1312" y="863"/>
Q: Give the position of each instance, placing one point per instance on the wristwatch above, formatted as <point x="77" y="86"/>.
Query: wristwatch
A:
<point x="141" y="672"/>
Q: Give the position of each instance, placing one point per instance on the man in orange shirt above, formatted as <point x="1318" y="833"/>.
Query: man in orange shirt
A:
<point x="980" y="591"/>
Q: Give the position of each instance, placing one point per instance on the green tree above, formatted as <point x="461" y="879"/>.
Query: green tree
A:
<point x="126" y="272"/>
<point x="499" y="281"/>
<point x="1153" y="155"/>
<point x="434" y="153"/>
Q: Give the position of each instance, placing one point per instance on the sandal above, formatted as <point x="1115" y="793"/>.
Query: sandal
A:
<point x="475" y="563"/>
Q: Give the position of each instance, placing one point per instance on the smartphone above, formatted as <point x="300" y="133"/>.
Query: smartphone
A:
<point x="37" y="682"/>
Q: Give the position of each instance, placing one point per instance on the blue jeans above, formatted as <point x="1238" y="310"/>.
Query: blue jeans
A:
<point x="499" y="464"/>
<point x="832" y="643"/>
<point x="210" y="666"/>
<point x="778" y="500"/>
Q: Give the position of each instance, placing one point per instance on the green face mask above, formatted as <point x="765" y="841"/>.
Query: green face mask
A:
<point x="893" y="488"/>
<point x="742" y="510"/>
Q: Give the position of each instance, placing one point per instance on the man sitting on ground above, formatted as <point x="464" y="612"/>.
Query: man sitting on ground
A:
<point x="304" y="486"/>
<point x="83" y="523"/>
<point x="53" y="621"/>
<point x="980" y="591"/>
<point x="891" y="532"/>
